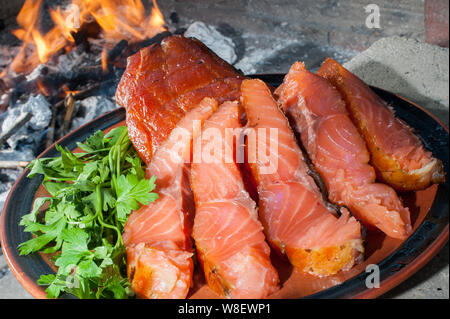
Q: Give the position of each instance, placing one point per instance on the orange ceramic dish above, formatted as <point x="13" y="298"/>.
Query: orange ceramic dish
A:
<point x="397" y="259"/>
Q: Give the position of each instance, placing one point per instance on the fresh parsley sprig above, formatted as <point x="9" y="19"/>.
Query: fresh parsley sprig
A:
<point x="92" y="194"/>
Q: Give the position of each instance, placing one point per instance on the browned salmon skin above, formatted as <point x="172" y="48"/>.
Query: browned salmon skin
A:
<point x="229" y="238"/>
<point x="397" y="154"/>
<point x="339" y="152"/>
<point x="158" y="236"/>
<point x="297" y="221"/>
<point x="162" y="82"/>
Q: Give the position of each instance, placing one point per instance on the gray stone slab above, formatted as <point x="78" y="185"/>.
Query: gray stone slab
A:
<point x="430" y="282"/>
<point x="418" y="71"/>
<point x="10" y="288"/>
<point x="3" y="263"/>
<point x="336" y="23"/>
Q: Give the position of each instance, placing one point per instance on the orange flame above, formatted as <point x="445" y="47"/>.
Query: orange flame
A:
<point x="44" y="90"/>
<point x="118" y="19"/>
<point x="156" y="19"/>
<point x="104" y="60"/>
<point x="67" y="91"/>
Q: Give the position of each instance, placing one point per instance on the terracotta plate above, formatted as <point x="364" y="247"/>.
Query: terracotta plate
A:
<point x="397" y="260"/>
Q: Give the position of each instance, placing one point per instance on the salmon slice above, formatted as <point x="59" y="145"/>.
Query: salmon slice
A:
<point x="398" y="155"/>
<point x="228" y="236"/>
<point x="338" y="151"/>
<point x="158" y="236"/>
<point x="162" y="82"/>
<point x="297" y="222"/>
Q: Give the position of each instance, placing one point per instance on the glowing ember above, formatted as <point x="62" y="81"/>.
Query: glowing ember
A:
<point x="104" y="60"/>
<point x="67" y="91"/>
<point x="44" y="90"/>
<point x="118" y="19"/>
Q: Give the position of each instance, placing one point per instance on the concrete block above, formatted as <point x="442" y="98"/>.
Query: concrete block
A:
<point x="11" y="288"/>
<point x="430" y="282"/>
<point x="3" y="263"/>
<point x="436" y="22"/>
<point x="417" y="71"/>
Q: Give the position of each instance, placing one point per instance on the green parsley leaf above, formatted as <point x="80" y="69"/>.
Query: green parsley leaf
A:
<point x="92" y="194"/>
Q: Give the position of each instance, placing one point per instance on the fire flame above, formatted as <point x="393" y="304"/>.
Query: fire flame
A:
<point x="104" y="60"/>
<point x="118" y="19"/>
<point x="67" y="91"/>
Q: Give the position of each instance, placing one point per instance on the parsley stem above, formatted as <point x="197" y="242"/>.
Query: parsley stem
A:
<point x="61" y="179"/>
<point x="119" y="235"/>
<point x="118" y="159"/>
<point x="98" y="208"/>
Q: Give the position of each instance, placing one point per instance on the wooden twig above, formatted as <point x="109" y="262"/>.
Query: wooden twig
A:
<point x="17" y="125"/>
<point x="13" y="164"/>
<point x="52" y="131"/>
<point x="117" y="50"/>
<point x="133" y="48"/>
<point x="69" y="102"/>
<point x="80" y="95"/>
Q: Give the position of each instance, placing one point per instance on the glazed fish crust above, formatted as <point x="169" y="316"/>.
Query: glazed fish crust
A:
<point x="162" y="82"/>
<point x="396" y="152"/>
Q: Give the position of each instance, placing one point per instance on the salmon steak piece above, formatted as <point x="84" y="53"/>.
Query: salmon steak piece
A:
<point x="157" y="237"/>
<point x="229" y="239"/>
<point x="298" y="223"/>
<point x="398" y="155"/>
<point x="338" y="152"/>
<point x="163" y="81"/>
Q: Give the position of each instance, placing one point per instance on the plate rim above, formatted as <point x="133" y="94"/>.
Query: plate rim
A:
<point x="385" y="285"/>
<point x="420" y="261"/>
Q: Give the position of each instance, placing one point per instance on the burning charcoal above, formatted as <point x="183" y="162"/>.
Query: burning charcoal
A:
<point x="7" y="53"/>
<point x="135" y="47"/>
<point x="92" y="107"/>
<point x="38" y="71"/>
<point x="174" y="18"/>
<point x="179" y="31"/>
<point x="71" y="61"/>
<point x="14" y="127"/>
<point x="117" y="50"/>
<point x="223" y="46"/>
<point x="23" y="155"/>
<point x="255" y="57"/>
<point x="89" y="29"/>
<point x="40" y="109"/>
<point x="3" y="197"/>
<point x="4" y="101"/>
<point x="7" y="179"/>
<point x="21" y="134"/>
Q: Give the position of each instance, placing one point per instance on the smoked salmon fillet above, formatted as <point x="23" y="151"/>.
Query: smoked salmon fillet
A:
<point x="158" y="236"/>
<point x="397" y="154"/>
<point x="228" y="237"/>
<point x="297" y="222"/>
<point x="338" y="151"/>
<point x="162" y="82"/>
